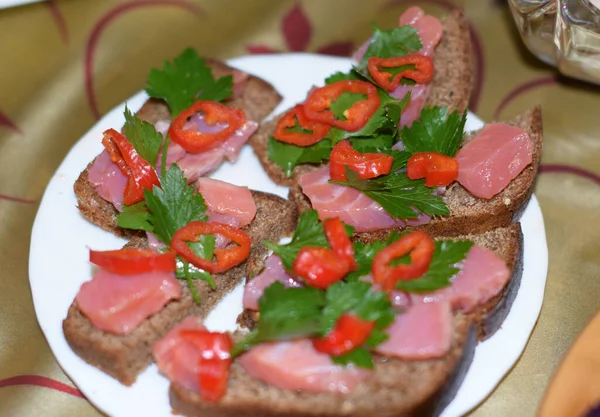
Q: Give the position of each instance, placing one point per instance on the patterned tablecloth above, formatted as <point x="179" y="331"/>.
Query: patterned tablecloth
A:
<point x="66" y="62"/>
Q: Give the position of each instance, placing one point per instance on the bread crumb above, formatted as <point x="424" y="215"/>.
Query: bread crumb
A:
<point x="506" y="201"/>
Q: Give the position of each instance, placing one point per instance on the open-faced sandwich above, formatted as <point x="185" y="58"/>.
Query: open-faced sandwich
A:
<point x="423" y="62"/>
<point x="407" y="248"/>
<point x="232" y="104"/>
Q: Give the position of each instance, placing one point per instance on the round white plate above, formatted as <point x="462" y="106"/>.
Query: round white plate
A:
<point x="61" y="237"/>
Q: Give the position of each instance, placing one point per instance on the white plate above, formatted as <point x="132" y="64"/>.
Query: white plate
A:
<point x="5" y="4"/>
<point x="61" y="238"/>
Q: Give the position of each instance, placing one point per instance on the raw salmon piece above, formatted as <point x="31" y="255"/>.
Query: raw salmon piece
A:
<point x="296" y="365"/>
<point x="120" y="303"/>
<point x="483" y="275"/>
<point x="177" y="358"/>
<point x="489" y="162"/>
<point x="423" y="331"/>
<point x="108" y="180"/>
<point x="350" y="205"/>
<point x="227" y="199"/>
<point x="273" y="272"/>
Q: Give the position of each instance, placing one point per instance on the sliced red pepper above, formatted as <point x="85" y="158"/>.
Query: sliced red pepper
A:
<point x="350" y="332"/>
<point x="133" y="261"/>
<point x="226" y="258"/>
<point x="422" y="74"/>
<point x="421" y="248"/>
<point x="318" y="104"/>
<point x="340" y="242"/>
<point x="297" y="118"/>
<point x="437" y="169"/>
<point x="319" y="267"/>
<point x="366" y="165"/>
<point x="196" y="142"/>
<point x="214" y="363"/>
<point x="140" y="174"/>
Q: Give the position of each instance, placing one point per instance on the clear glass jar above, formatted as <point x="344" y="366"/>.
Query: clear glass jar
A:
<point x="563" y="33"/>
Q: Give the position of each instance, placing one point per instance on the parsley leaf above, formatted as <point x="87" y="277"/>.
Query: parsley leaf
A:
<point x="309" y="232"/>
<point x="166" y="209"/>
<point x="360" y="357"/>
<point x="344" y="102"/>
<point x="435" y="131"/>
<point x="288" y="156"/>
<point x="399" y="196"/>
<point x="356" y="297"/>
<point x="186" y="80"/>
<point x="285" y="313"/>
<point x="342" y="76"/>
<point x="136" y="217"/>
<point x="442" y="268"/>
<point x="143" y="136"/>
<point x="398" y="41"/>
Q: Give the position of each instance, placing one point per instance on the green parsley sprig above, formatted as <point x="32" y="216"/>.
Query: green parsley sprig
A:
<point x="437" y="130"/>
<point x="143" y="136"/>
<point x="167" y="209"/>
<point x="185" y="80"/>
<point x="399" y="41"/>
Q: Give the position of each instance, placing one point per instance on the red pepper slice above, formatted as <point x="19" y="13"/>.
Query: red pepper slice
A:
<point x="296" y="116"/>
<point x="319" y="267"/>
<point x="140" y="174"/>
<point x="318" y="104"/>
<point x="421" y="248"/>
<point x="349" y="333"/>
<point x="340" y="242"/>
<point x="226" y="258"/>
<point x="366" y="165"/>
<point x="214" y="363"/>
<point x="133" y="261"/>
<point x="437" y="169"/>
<point x="196" y="142"/>
<point x="422" y="74"/>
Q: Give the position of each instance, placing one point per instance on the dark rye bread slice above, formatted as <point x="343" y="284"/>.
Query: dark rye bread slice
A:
<point x="124" y="357"/>
<point x="397" y="387"/>
<point x="258" y="98"/>
<point x="469" y="214"/>
<point x="451" y="86"/>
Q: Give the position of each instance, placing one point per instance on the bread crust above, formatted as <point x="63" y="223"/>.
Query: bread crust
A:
<point x="124" y="357"/>
<point x="258" y="99"/>
<point x="451" y="86"/>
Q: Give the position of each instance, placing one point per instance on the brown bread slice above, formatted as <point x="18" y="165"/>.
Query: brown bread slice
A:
<point x="470" y="214"/>
<point x="258" y="99"/>
<point x="124" y="357"/>
<point x="451" y="86"/>
<point x="397" y="387"/>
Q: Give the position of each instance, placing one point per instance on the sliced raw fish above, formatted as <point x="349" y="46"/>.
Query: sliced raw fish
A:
<point x="177" y="358"/>
<point x="296" y="365"/>
<point x="423" y="331"/>
<point x="350" y="205"/>
<point x="495" y="156"/>
<point x="228" y="200"/>
<point x="107" y="179"/>
<point x="120" y="303"/>
<point x="483" y="275"/>
<point x="273" y="272"/>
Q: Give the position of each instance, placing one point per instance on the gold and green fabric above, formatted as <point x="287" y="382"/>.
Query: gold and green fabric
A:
<point x="65" y="63"/>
